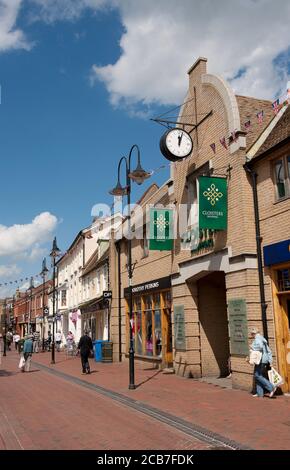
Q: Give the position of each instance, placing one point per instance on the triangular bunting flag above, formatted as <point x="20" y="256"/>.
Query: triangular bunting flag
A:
<point x="260" y="117"/>
<point x="234" y="135"/>
<point x="247" y="125"/>
<point x="212" y="146"/>
<point x="223" y="142"/>
<point x="275" y="106"/>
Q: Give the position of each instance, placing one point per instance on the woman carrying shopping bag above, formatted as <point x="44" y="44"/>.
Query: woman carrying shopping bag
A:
<point x="261" y="356"/>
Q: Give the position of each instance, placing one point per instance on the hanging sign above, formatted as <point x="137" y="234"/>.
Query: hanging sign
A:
<point x="212" y="203"/>
<point x="161" y="229"/>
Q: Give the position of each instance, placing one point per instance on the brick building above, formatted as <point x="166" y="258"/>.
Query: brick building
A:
<point x="152" y="327"/>
<point x="213" y="288"/>
<point x="28" y="309"/>
<point x="270" y="160"/>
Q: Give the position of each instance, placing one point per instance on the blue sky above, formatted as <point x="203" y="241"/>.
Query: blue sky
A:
<point x="80" y="80"/>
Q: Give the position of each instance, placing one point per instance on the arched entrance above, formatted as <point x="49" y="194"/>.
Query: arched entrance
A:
<point x="214" y="336"/>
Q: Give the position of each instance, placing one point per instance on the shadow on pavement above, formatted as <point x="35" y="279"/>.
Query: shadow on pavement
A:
<point x="147" y="380"/>
<point x="6" y="373"/>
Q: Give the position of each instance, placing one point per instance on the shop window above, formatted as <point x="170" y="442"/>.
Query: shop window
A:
<point x="282" y="177"/>
<point x="283" y="277"/>
<point x="63" y="298"/>
<point x="149" y="338"/>
<point x="146" y="323"/>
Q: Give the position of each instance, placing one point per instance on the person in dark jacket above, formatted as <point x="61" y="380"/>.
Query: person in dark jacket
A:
<point x="85" y="346"/>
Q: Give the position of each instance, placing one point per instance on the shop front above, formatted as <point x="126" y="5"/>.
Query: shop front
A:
<point x="151" y="321"/>
<point x="95" y="319"/>
<point x="277" y="259"/>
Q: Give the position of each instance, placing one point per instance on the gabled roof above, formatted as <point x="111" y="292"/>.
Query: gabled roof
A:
<point x="279" y="134"/>
<point x="249" y="108"/>
<point x="94" y="261"/>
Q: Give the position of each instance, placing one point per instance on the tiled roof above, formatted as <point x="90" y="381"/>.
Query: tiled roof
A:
<point x="249" y="108"/>
<point x="279" y="133"/>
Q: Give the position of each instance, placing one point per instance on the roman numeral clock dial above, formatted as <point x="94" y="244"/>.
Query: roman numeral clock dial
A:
<point x="176" y="144"/>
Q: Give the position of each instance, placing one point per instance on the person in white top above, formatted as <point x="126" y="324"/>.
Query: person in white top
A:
<point x="58" y="340"/>
<point x="16" y="339"/>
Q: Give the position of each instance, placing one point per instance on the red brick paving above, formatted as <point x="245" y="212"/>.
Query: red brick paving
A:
<point x="257" y="423"/>
<point x="40" y="411"/>
<point x="235" y="414"/>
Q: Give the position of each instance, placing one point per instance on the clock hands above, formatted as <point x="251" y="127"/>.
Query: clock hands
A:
<point x="180" y="138"/>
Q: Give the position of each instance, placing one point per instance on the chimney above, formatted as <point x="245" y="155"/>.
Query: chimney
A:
<point x="198" y="69"/>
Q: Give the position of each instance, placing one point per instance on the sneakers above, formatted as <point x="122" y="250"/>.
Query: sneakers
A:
<point x="273" y="392"/>
<point x="256" y="395"/>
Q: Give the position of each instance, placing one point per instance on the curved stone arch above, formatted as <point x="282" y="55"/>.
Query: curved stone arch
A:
<point x="228" y="97"/>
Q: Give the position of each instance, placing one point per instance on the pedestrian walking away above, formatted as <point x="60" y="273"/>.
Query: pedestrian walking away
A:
<point x="85" y="346"/>
<point x="16" y="339"/>
<point x="25" y="359"/>
<point x="36" y="338"/>
<point x="261" y="357"/>
<point x="58" y="340"/>
<point x="9" y="339"/>
<point x="49" y="339"/>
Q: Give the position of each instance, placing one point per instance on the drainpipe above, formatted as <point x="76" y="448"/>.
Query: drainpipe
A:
<point x="254" y="175"/>
<point x="118" y="246"/>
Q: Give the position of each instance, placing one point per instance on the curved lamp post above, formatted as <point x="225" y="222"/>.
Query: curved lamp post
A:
<point x="43" y="273"/>
<point x="31" y="287"/>
<point x="139" y="176"/>
<point x="55" y="252"/>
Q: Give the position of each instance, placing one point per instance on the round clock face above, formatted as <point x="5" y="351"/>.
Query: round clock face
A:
<point x="176" y="144"/>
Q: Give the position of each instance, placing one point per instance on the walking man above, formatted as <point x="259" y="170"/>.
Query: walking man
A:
<point x="85" y="346"/>
<point x="27" y="353"/>
<point x="16" y="339"/>
<point x="36" y="337"/>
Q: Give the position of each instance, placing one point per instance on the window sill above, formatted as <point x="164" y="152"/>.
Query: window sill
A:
<point x="146" y="358"/>
<point x="282" y="199"/>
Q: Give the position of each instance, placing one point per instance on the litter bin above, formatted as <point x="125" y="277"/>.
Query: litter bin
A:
<point x="98" y="349"/>
<point x="107" y="351"/>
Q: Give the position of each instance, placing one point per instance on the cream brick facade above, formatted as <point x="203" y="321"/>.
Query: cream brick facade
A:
<point x="204" y="282"/>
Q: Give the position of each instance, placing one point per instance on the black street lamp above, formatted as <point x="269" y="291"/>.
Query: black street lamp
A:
<point x="5" y="329"/>
<point x="43" y="273"/>
<point x="139" y="176"/>
<point x="31" y="287"/>
<point x="55" y="252"/>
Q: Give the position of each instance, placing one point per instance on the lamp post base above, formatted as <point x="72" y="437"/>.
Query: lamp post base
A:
<point x="132" y="385"/>
<point x="52" y="353"/>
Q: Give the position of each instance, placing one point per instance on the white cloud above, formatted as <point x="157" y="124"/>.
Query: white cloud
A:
<point x="163" y="39"/>
<point x="56" y="10"/>
<point x="9" y="270"/>
<point x="18" y="239"/>
<point x="10" y="36"/>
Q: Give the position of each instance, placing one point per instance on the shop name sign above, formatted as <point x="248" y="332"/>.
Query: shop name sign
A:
<point x="157" y="284"/>
<point x="107" y="294"/>
<point x="144" y="287"/>
<point x="212" y="203"/>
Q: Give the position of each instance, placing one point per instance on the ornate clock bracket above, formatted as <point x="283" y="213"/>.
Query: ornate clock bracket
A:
<point x="183" y="124"/>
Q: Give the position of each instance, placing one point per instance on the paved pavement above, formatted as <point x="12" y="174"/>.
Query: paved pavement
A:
<point x="55" y="407"/>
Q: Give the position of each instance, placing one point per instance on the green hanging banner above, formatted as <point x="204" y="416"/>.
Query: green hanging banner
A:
<point x="161" y="229"/>
<point x="212" y="203"/>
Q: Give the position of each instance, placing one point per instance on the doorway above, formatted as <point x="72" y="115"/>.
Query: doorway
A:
<point x="214" y="336"/>
<point x="285" y="340"/>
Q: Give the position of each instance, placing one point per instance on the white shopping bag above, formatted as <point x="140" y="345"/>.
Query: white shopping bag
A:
<point x="21" y="362"/>
<point x="275" y="378"/>
<point x="255" y="357"/>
